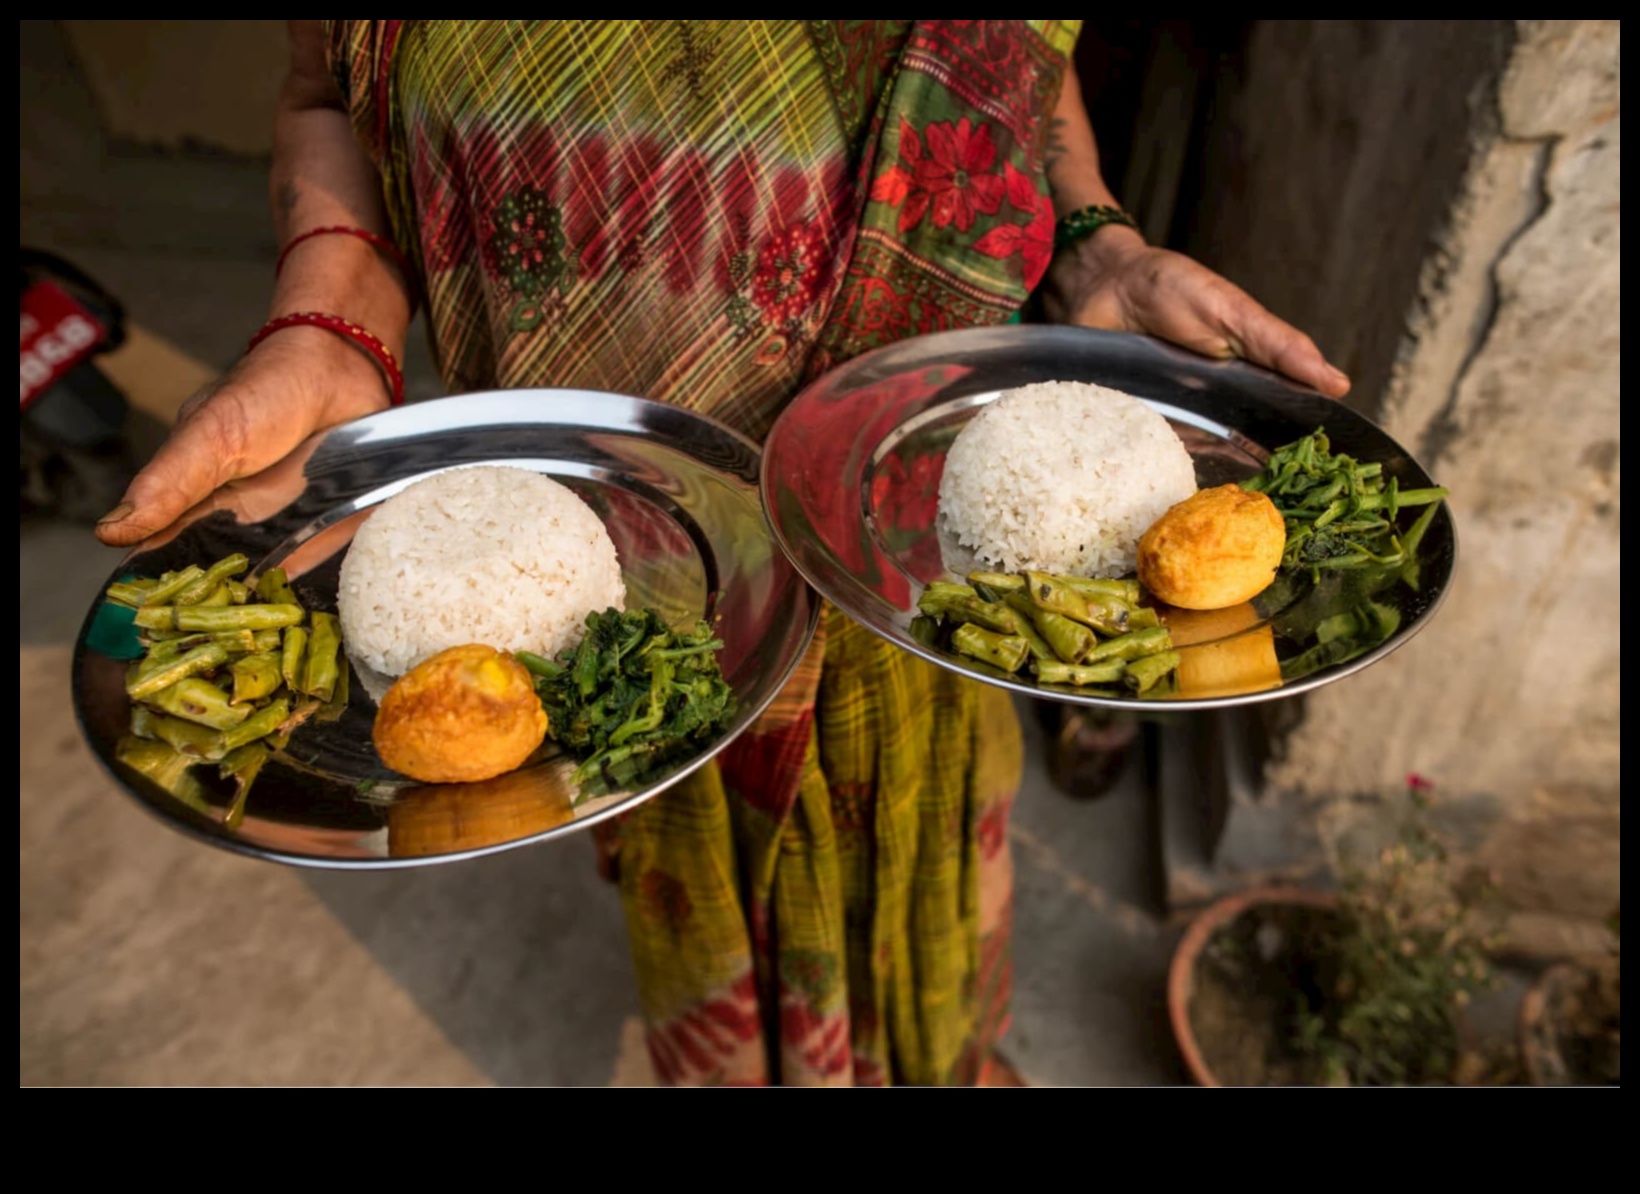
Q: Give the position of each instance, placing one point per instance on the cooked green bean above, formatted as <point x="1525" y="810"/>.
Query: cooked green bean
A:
<point x="1142" y="617"/>
<point x="1002" y="582"/>
<point x="1134" y="645"/>
<point x="171" y="584"/>
<point x="189" y="737"/>
<point x="197" y="700"/>
<point x="273" y="586"/>
<point x="1083" y="632"/>
<point x="238" y="617"/>
<point x="1052" y="594"/>
<point x="141" y="685"/>
<point x="1052" y="672"/>
<point x="319" y="669"/>
<point x="223" y="662"/>
<point x="255" y="676"/>
<point x="1108" y="615"/>
<point x="156" y="617"/>
<point x="1143" y="674"/>
<point x="1123" y="590"/>
<point x="1026" y="629"/>
<point x="197" y="590"/>
<point x="337" y="704"/>
<point x="292" y="655"/>
<point x="162" y="652"/>
<point x="1007" y="652"/>
<point x="1071" y="641"/>
<point x="968" y="609"/>
<point x="258" y="725"/>
<point x="130" y="592"/>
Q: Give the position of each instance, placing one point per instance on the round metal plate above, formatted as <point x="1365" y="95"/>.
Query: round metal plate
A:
<point x="851" y="476"/>
<point x="678" y="493"/>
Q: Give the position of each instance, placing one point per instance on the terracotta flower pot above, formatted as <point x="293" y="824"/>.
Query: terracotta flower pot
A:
<point x="1541" y="1041"/>
<point x="1181" y="977"/>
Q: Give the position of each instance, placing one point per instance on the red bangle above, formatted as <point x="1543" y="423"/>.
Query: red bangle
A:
<point x="384" y="246"/>
<point x="342" y="327"/>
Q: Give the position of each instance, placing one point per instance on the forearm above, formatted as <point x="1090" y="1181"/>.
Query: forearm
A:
<point x="321" y="177"/>
<point x="1072" y="156"/>
<point x="1072" y="163"/>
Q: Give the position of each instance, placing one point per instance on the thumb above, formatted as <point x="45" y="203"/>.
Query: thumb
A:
<point x="216" y="441"/>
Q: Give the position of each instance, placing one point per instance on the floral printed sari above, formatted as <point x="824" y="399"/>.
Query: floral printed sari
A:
<point x="712" y="213"/>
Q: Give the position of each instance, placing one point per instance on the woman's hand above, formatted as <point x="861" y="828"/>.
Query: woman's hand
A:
<point x="302" y="379"/>
<point x="296" y="382"/>
<point x="1114" y="280"/>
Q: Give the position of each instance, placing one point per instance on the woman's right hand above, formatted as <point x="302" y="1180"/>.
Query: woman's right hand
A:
<point x="296" y="382"/>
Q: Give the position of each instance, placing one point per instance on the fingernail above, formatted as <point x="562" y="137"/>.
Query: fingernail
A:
<point x="118" y="514"/>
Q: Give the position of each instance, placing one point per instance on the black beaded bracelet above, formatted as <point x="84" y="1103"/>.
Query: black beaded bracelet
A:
<point x="1085" y="221"/>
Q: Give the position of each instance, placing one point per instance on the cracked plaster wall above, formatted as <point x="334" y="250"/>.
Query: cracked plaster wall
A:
<point x="1438" y="204"/>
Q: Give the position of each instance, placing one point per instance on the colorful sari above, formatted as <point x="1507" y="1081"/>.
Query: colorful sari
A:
<point x="711" y="214"/>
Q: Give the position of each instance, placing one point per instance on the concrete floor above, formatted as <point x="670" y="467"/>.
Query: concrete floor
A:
<point x="147" y="959"/>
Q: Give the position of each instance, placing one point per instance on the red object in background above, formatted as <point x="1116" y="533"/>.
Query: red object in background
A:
<point x="55" y="334"/>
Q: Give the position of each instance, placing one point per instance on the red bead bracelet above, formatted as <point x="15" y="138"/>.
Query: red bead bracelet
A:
<point x="384" y="246"/>
<point x="342" y="327"/>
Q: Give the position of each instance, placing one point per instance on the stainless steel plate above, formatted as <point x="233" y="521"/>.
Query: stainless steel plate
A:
<point x="679" y="495"/>
<point x="851" y="475"/>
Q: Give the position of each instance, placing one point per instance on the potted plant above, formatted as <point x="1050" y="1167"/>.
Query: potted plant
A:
<point x="1571" y="1022"/>
<point x="1365" y="987"/>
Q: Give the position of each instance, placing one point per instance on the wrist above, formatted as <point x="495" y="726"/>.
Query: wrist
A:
<point x="351" y="278"/>
<point x="319" y="359"/>
<point x="1106" y="249"/>
<point x="1095" y="258"/>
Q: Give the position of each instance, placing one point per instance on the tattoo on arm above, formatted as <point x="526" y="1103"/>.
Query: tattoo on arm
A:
<point x="287" y="198"/>
<point x="1054" y="147"/>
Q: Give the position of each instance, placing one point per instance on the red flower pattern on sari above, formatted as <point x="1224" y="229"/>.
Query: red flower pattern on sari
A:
<point x="792" y="269"/>
<point x="1032" y="241"/>
<point x="951" y="177"/>
<point x="820" y="1040"/>
<point x="700" y="1044"/>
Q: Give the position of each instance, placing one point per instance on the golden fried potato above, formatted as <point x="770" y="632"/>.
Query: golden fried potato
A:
<point x="1215" y="549"/>
<point x="466" y="714"/>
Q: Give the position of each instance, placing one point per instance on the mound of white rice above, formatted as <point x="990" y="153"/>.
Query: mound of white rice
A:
<point x="494" y="555"/>
<point x="1062" y="477"/>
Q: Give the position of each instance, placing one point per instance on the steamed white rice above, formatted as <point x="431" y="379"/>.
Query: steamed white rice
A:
<point x="1062" y="477"/>
<point x="487" y="554"/>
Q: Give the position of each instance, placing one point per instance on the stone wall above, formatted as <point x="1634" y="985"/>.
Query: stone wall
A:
<point x="170" y="85"/>
<point x="1438" y="202"/>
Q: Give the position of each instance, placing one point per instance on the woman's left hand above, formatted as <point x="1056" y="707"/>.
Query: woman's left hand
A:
<point x="1114" y="280"/>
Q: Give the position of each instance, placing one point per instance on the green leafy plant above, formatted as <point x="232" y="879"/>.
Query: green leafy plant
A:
<point x="633" y="693"/>
<point x="1406" y="955"/>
